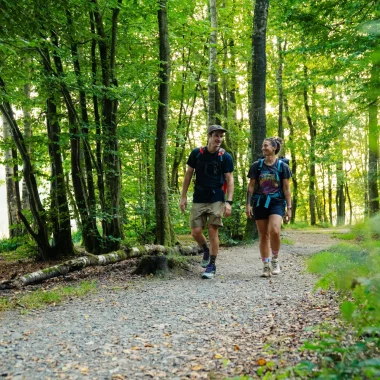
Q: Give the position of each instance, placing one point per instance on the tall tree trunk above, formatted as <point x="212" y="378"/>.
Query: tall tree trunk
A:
<point x="293" y="160"/>
<point x="113" y="232"/>
<point x="90" y="235"/>
<point x="164" y="229"/>
<point x="313" y="134"/>
<point x="280" y="88"/>
<point x="14" y="226"/>
<point x="259" y="67"/>
<point x="27" y="134"/>
<point x="258" y="101"/>
<point x="349" y="200"/>
<point x="88" y="172"/>
<point x="212" y="76"/>
<point x="340" y="193"/>
<point x="373" y="140"/>
<point x="330" y="193"/>
<point x="62" y="240"/>
<point x="97" y="120"/>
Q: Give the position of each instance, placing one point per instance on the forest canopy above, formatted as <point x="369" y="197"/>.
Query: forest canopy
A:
<point x="102" y="101"/>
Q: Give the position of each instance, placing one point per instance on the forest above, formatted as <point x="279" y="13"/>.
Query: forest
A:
<point x="102" y="101"/>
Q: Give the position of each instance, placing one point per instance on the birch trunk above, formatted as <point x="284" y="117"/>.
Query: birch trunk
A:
<point x="93" y="260"/>
<point x="13" y="220"/>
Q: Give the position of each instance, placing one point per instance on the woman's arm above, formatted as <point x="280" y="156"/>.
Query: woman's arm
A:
<point x="250" y="190"/>
<point x="288" y="198"/>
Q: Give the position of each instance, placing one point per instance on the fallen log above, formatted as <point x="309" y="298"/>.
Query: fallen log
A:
<point x="94" y="260"/>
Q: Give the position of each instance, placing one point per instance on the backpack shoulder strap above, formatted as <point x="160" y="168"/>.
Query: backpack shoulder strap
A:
<point x="201" y="151"/>
<point x="279" y="165"/>
<point x="259" y="167"/>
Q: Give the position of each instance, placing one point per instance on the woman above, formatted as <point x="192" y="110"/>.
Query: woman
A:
<point x="269" y="192"/>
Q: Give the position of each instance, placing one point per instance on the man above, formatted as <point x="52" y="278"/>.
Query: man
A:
<point x="213" y="169"/>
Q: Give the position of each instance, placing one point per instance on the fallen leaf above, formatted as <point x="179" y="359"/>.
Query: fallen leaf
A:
<point x="197" y="367"/>
<point x="236" y="347"/>
<point x="261" y="362"/>
<point x="218" y="356"/>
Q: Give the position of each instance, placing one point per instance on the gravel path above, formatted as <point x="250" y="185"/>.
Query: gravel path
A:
<point x="183" y="328"/>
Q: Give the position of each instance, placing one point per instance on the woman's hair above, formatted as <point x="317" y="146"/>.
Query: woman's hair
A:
<point x="276" y="143"/>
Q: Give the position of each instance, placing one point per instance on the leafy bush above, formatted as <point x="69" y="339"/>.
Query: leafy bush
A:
<point x="353" y="269"/>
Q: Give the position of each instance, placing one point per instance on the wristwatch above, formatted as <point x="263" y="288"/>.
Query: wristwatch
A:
<point x="230" y="202"/>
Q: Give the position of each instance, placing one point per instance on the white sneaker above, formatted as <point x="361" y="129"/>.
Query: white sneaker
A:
<point x="276" y="267"/>
<point x="266" y="270"/>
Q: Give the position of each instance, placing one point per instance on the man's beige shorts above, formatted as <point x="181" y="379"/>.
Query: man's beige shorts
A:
<point x="203" y="212"/>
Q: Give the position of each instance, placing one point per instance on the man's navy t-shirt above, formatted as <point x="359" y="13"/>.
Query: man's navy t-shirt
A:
<point x="209" y="172"/>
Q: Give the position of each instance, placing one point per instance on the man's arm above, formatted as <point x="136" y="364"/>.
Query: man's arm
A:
<point x="185" y="187"/>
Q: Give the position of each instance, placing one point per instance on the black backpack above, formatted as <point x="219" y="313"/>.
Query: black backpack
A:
<point x="221" y="152"/>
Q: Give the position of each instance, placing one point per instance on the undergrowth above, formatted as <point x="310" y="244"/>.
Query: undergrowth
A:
<point x="41" y="297"/>
<point x="353" y="269"/>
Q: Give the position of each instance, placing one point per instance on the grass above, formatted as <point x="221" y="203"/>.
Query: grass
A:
<point x="287" y="241"/>
<point x="40" y="298"/>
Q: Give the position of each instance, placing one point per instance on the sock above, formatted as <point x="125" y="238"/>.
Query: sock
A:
<point x="205" y="248"/>
<point x="212" y="260"/>
<point x="265" y="259"/>
<point x="275" y="255"/>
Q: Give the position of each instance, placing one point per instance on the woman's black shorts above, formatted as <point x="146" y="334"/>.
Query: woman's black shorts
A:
<point x="276" y="206"/>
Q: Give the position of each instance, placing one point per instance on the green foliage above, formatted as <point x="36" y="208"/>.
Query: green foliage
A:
<point x="40" y="298"/>
<point x="8" y="245"/>
<point x="17" y="248"/>
<point x="353" y="269"/>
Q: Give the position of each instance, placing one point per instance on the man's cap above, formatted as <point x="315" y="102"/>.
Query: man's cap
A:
<point x="213" y="128"/>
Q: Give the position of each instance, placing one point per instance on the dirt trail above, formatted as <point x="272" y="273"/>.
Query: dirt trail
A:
<point x="182" y="328"/>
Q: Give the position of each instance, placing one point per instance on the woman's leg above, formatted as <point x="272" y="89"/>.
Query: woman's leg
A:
<point x="262" y="228"/>
<point x="274" y="228"/>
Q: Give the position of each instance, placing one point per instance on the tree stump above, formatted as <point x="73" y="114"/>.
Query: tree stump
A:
<point x="152" y="265"/>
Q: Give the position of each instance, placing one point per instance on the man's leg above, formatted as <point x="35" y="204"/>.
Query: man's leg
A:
<point x="197" y="234"/>
<point x="214" y="248"/>
<point x="213" y="234"/>
<point x="215" y="213"/>
<point x="198" y="220"/>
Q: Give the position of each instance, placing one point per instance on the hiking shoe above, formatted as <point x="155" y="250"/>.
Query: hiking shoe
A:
<point x="209" y="272"/>
<point x="205" y="259"/>
<point x="266" y="270"/>
<point x="276" y="267"/>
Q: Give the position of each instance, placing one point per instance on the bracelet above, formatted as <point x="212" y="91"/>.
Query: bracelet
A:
<point x="230" y="202"/>
<point x="289" y="207"/>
